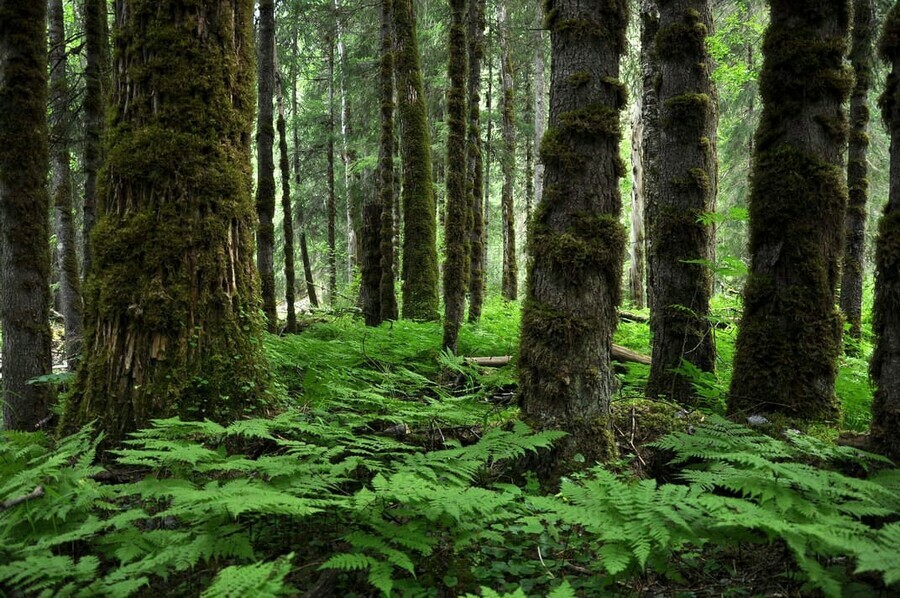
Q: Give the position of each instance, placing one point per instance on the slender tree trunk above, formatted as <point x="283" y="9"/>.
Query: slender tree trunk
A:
<point x="540" y="110"/>
<point x="420" y="269"/>
<point x="787" y="348"/>
<point x="861" y="59"/>
<point x="650" y="120"/>
<point x="577" y="243"/>
<point x="489" y="153"/>
<point x="456" y="235"/>
<point x="332" y="199"/>
<point x="885" y="367"/>
<point x="682" y="243"/>
<point x="61" y="188"/>
<point x="96" y="50"/>
<point x="474" y="159"/>
<point x="24" y="205"/>
<point x="347" y="154"/>
<point x="172" y="321"/>
<point x="265" y="141"/>
<point x="529" y="152"/>
<point x="301" y="213"/>
<point x="387" y="295"/>
<point x="510" y="286"/>
<point x="636" y="242"/>
<point x="290" y="277"/>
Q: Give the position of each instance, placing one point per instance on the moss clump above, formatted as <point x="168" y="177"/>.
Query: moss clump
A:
<point x="683" y="40"/>
<point x="590" y="243"/>
<point x="594" y="119"/>
<point x="579" y="78"/>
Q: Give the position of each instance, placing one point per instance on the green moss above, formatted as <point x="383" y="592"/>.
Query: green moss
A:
<point x="683" y="40"/>
<point x="579" y="78"/>
<point x="594" y="119"/>
<point x="686" y="113"/>
<point x="590" y="242"/>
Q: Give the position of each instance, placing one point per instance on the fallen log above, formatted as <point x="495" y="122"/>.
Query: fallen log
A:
<point x="619" y="353"/>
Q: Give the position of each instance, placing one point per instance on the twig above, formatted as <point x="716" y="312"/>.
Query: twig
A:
<point x="10" y="503"/>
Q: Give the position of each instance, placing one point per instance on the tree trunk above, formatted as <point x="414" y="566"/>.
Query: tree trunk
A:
<point x="420" y="269"/>
<point x="885" y="368"/>
<point x="301" y="215"/>
<point x="172" y="320"/>
<point x="650" y="120"/>
<point x="474" y="158"/>
<point x="348" y="156"/>
<point x="510" y="287"/>
<point x="861" y="59"/>
<point x="387" y="295"/>
<point x="636" y="241"/>
<point x="332" y="199"/>
<point x="97" y="64"/>
<point x="456" y="232"/>
<point x="290" y="278"/>
<point x="682" y="244"/>
<point x="540" y="110"/>
<point x="70" y="301"/>
<point x="577" y="242"/>
<point x="24" y="205"/>
<point x="265" y="141"/>
<point x="797" y="206"/>
<point x="488" y="155"/>
<point x="529" y="153"/>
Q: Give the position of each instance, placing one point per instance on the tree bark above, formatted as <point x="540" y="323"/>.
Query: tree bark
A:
<point x="420" y="265"/>
<point x="475" y="160"/>
<point x="387" y="294"/>
<point x="636" y="241"/>
<point x="488" y="153"/>
<point x="682" y="244"/>
<point x="265" y="141"/>
<point x="24" y="205"/>
<point x="540" y="109"/>
<point x="797" y="206"/>
<point x="70" y="300"/>
<point x="348" y="156"/>
<point x="577" y="242"/>
<point x="861" y="59"/>
<point x="96" y="41"/>
<point x="885" y="367"/>
<point x="649" y="13"/>
<point x="456" y="231"/>
<point x="290" y="276"/>
<point x="510" y="287"/>
<point x="172" y="320"/>
<point x="332" y="199"/>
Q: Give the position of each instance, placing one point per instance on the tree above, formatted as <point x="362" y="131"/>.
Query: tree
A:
<point x="388" y="297"/>
<point x="885" y="366"/>
<point x="861" y="59"/>
<point x="290" y="277"/>
<point x="682" y="241"/>
<point x="265" y="140"/>
<point x="332" y="198"/>
<point x="789" y="340"/>
<point x="510" y="287"/>
<point x="576" y="241"/>
<point x="61" y="187"/>
<point x="420" y="271"/>
<point x="96" y="41"/>
<point x="24" y="205"/>
<point x="475" y="160"/>
<point x="173" y="326"/>
<point x="456" y="235"/>
<point x="649" y="14"/>
<point x="636" y="240"/>
<point x="540" y="109"/>
<point x="348" y="156"/>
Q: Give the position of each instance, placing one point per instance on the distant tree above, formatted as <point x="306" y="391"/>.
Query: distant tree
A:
<point x="540" y="108"/>
<point x="475" y="161"/>
<point x="332" y="197"/>
<point x="861" y="59"/>
<point x="510" y="287"/>
<point x="637" y="250"/>
<point x="576" y="240"/>
<point x="885" y="367"/>
<point x="290" y="275"/>
<point x="265" y="140"/>
<point x="682" y="243"/>
<point x="61" y="187"/>
<point x="387" y="296"/>
<point x="790" y="336"/>
<point x="420" y="270"/>
<point x="96" y="40"/>
<point x="649" y="14"/>
<point x="173" y="325"/>
<point x="24" y="205"/>
<point x="456" y="233"/>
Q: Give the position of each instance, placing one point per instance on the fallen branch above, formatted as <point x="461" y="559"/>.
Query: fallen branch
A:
<point x="619" y="353"/>
<point x="11" y="502"/>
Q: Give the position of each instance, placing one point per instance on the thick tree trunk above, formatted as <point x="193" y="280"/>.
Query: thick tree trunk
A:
<point x="387" y="295"/>
<point x="540" y="110"/>
<point x="650" y="121"/>
<point x="265" y="141"/>
<point x="70" y="301"/>
<point x="577" y="242"/>
<point x="861" y="59"/>
<point x="797" y="206"/>
<point x="474" y="158"/>
<point x="510" y="287"/>
<point x="24" y="205"/>
<point x="636" y="240"/>
<point x="97" y="64"/>
<point x="172" y="319"/>
<point x="290" y="276"/>
<point x="682" y="244"/>
<point x="332" y="198"/>
<point x="886" y="359"/>
<point x="456" y="231"/>
<point x="420" y="269"/>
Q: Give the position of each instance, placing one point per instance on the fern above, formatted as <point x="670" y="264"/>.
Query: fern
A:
<point x="259" y="580"/>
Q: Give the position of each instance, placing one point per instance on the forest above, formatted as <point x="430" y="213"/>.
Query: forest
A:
<point x="498" y="298"/>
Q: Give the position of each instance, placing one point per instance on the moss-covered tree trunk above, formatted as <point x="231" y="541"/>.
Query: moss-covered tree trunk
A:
<point x="348" y="155"/>
<point x="637" y="254"/>
<point x="265" y="158"/>
<point x="331" y="204"/>
<point x="679" y="319"/>
<point x="510" y="284"/>
<point x="488" y="154"/>
<point x="387" y="295"/>
<point x="540" y="109"/>
<point x="456" y="230"/>
<point x="649" y="13"/>
<point x="70" y="301"/>
<point x="290" y="275"/>
<point x="861" y="59"/>
<point x="420" y="267"/>
<point x="474" y="158"/>
<point x="24" y="205"/>
<point x="173" y="325"/>
<point x="96" y="42"/>
<point x="789" y="339"/>
<point x="885" y="367"/>
<point x="576" y="241"/>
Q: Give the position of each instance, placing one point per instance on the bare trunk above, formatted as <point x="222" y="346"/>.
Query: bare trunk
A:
<point x="265" y="141"/>
<point x="636" y="246"/>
